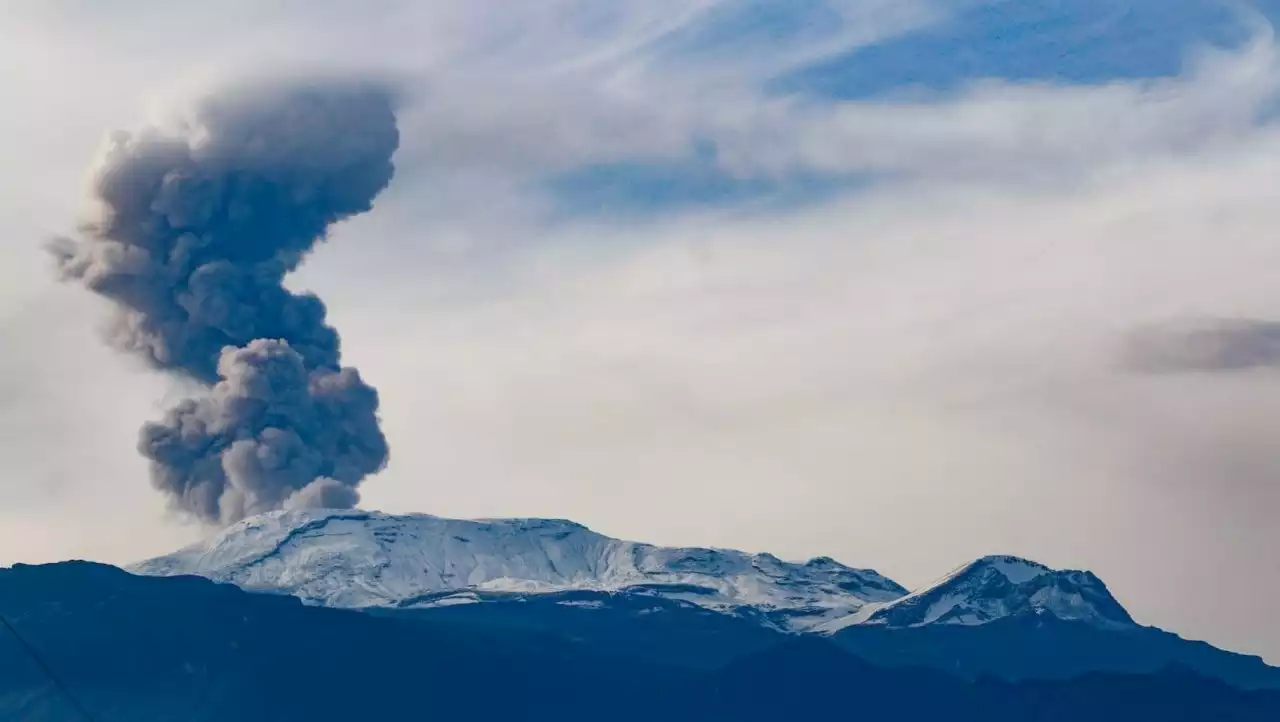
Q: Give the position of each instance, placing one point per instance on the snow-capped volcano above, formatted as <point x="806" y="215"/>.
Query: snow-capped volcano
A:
<point x="999" y="587"/>
<point x="357" y="559"/>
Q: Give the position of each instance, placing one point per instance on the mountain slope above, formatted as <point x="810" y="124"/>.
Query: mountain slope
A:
<point x="612" y="625"/>
<point x="1023" y="648"/>
<point x="356" y="559"/>
<point x="138" y="649"/>
<point x="695" y="608"/>
<point x="1002" y="587"/>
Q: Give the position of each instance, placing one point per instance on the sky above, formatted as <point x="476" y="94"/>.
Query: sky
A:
<point x="902" y="282"/>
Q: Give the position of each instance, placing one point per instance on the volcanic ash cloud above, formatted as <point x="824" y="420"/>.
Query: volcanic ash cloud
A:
<point x="198" y="229"/>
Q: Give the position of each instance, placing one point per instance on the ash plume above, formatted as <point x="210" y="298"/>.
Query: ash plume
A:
<point x="198" y="231"/>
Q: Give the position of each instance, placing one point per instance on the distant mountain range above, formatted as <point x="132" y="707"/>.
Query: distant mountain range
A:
<point x="999" y="616"/>
<point x="109" y="646"/>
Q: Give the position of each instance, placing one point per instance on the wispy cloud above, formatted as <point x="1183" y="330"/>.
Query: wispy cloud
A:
<point x="1040" y="41"/>
<point x="1013" y="132"/>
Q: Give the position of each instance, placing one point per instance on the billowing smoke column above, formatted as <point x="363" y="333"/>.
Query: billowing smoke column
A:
<point x="198" y="231"/>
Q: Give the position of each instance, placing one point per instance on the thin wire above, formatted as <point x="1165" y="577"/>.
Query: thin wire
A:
<point x="75" y="703"/>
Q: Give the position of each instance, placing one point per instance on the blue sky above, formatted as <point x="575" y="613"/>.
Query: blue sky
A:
<point x="957" y="45"/>
<point x="862" y="272"/>
<point x="1050" y="41"/>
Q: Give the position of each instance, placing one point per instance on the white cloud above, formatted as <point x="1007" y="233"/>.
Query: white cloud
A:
<point x="1019" y="131"/>
<point x="906" y="379"/>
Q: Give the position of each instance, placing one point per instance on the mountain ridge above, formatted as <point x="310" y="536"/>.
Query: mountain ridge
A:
<point x="357" y="559"/>
<point x="146" y="649"/>
<point x="1001" y="586"/>
<point x="999" y="616"/>
<point x="360" y="559"/>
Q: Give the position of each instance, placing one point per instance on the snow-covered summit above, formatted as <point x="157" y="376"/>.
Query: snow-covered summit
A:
<point x="1000" y="587"/>
<point x="358" y="559"/>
